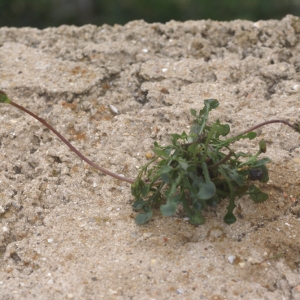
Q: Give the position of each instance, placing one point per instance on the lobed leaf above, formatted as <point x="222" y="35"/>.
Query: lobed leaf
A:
<point x="256" y="194"/>
<point x="143" y="218"/>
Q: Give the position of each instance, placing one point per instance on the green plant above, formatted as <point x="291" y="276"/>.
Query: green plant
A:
<point x="200" y="169"/>
<point x="196" y="170"/>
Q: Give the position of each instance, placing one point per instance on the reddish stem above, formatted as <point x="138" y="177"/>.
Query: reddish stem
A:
<point x="129" y="180"/>
<point x="266" y="123"/>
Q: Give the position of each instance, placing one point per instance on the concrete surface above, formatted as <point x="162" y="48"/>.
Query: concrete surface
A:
<point x="68" y="232"/>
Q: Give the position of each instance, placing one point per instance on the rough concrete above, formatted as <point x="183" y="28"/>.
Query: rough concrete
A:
<point x="67" y="231"/>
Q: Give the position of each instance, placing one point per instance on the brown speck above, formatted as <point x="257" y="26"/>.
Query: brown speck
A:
<point x="78" y="70"/>
<point x="72" y="106"/>
<point x="164" y="90"/>
<point x="149" y="155"/>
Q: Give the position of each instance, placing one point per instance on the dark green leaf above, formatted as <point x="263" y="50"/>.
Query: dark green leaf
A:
<point x="145" y="190"/>
<point x="193" y="148"/>
<point x="136" y="187"/>
<point x="138" y="204"/>
<point x="214" y="201"/>
<point x="256" y="194"/>
<point x="241" y="190"/>
<point x="196" y="218"/>
<point x="143" y="218"/>
<point x="230" y="218"/>
<point x="265" y="177"/>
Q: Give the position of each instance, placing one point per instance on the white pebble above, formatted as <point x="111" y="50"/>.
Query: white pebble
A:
<point x="231" y="258"/>
<point x="113" y="109"/>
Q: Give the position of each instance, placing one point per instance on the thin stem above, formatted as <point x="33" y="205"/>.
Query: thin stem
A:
<point x="221" y="161"/>
<point x="129" y="180"/>
<point x="266" y="123"/>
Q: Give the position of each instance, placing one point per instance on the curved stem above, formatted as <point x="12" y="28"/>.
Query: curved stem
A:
<point x="266" y="123"/>
<point x="222" y="161"/>
<point x="129" y="180"/>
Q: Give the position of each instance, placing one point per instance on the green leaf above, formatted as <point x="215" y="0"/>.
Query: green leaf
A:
<point x="175" y="137"/>
<point x="4" y="98"/>
<point x="165" y="169"/>
<point x="256" y="194"/>
<point x="241" y="190"/>
<point x="261" y="162"/>
<point x="263" y="146"/>
<point x="196" y="218"/>
<point x="214" y="201"/>
<point x="145" y="190"/>
<point x="230" y="218"/>
<point x="143" y="218"/>
<point x="211" y="103"/>
<point x="136" y="187"/>
<point x="207" y="190"/>
<point x="220" y="129"/>
<point x="184" y="165"/>
<point x="265" y="177"/>
<point x="195" y="130"/>
<point x="240" y="154"/>
<point x="165" y="177"/>
<point x="138" y="204"/>
<point x="192" y="148"/>
<point x="160" y="152"/>
<point x="168" y="209"/>
<point x="193" y="113"/>
<point x="250" y="135"/>
<point x="236" y="177"/>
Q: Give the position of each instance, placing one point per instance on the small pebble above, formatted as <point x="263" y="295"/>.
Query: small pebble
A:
<point x="179" y="291"/>
<point x="149" y="155"/>
<point x="231" y="258"/>
<point x="147" y="234"/>
<point x="296" y="292"/>
<point x="113" y="109"/>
